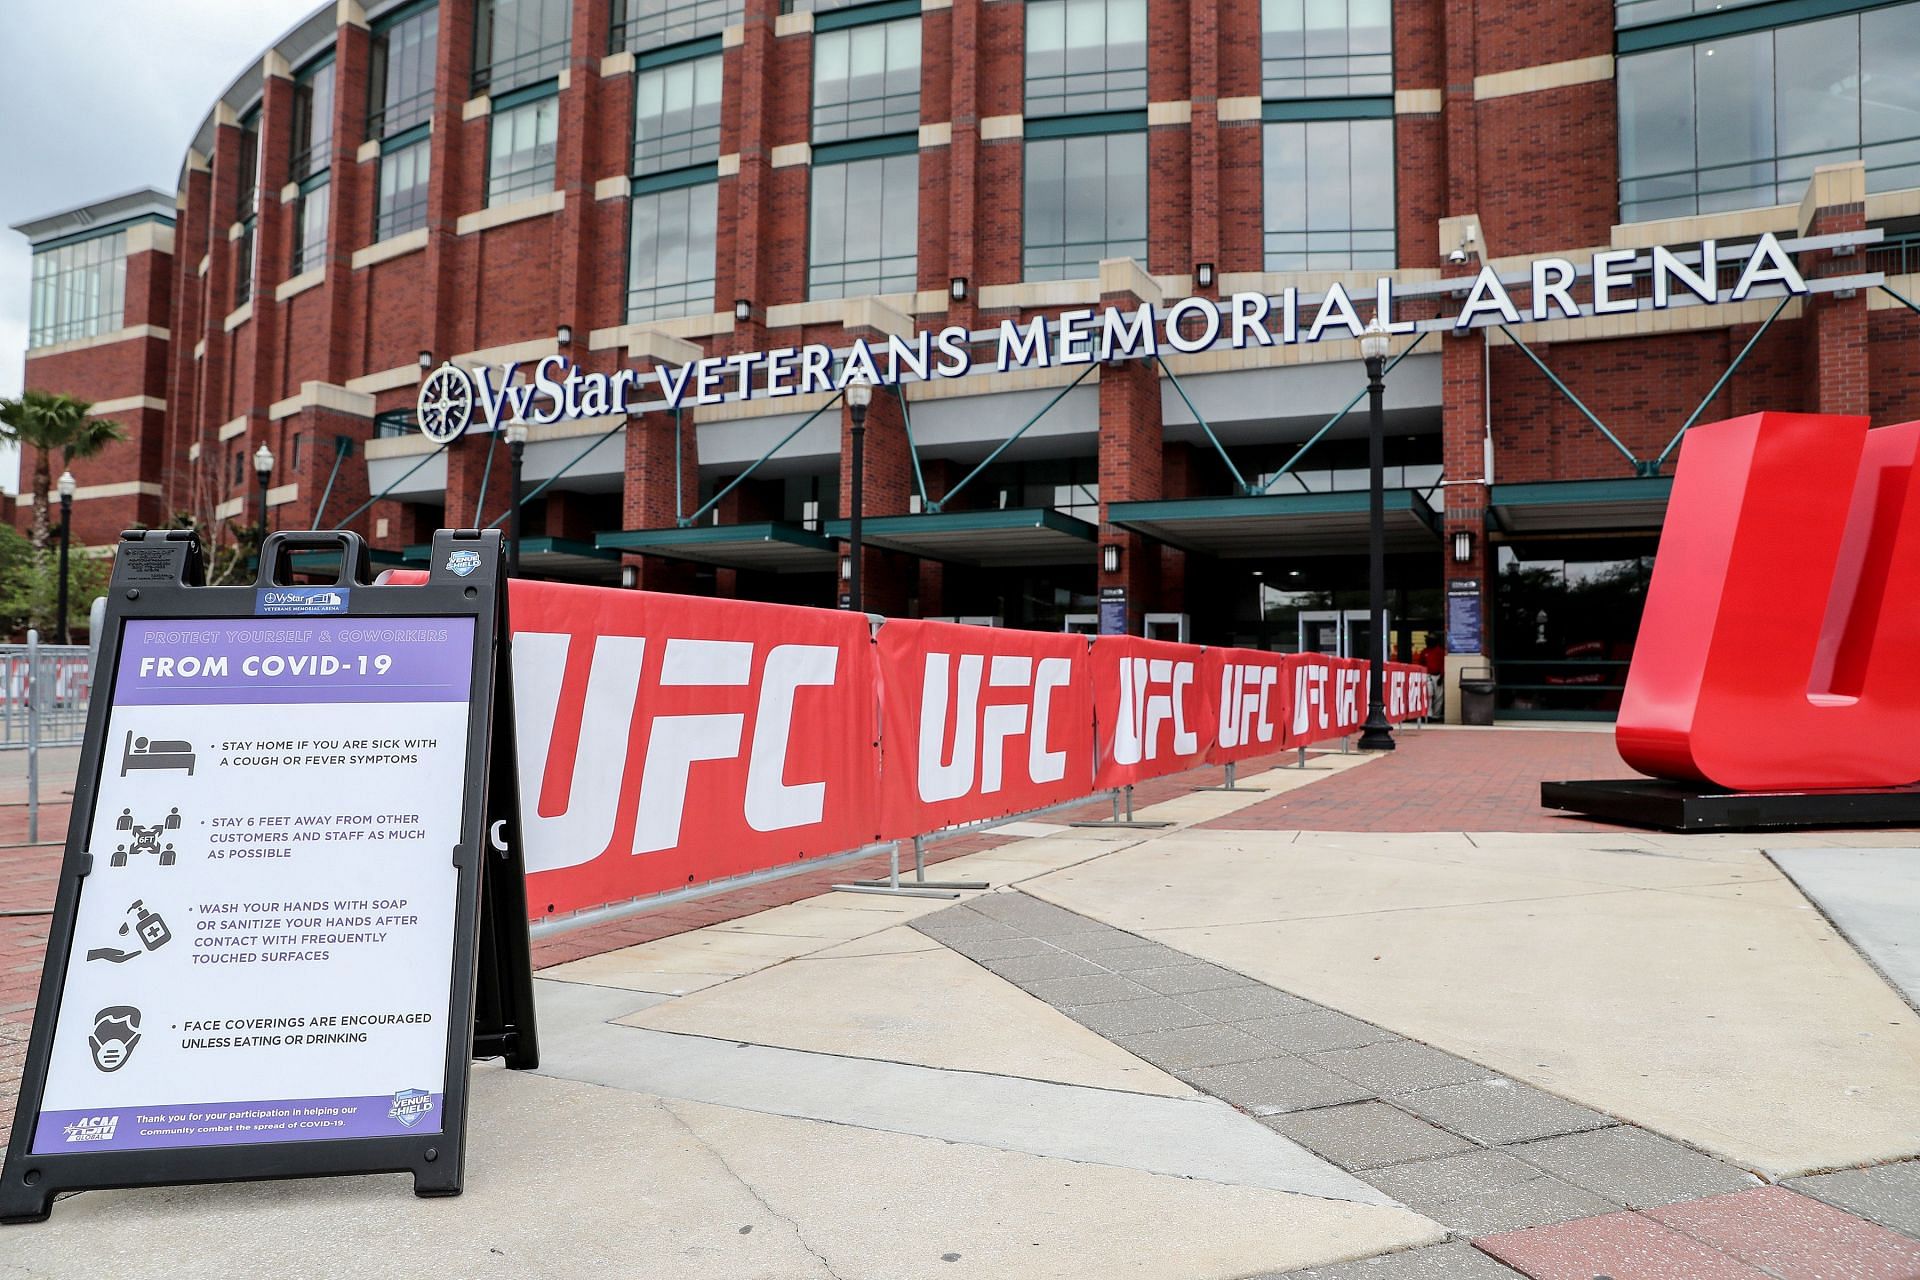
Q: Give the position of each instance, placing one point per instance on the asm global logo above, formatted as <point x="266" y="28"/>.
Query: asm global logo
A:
<point x="91" y="1129"/>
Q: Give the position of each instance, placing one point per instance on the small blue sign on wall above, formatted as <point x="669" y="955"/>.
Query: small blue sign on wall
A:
<point x="1113" y="611"/>
<point x="1464" y="631"/>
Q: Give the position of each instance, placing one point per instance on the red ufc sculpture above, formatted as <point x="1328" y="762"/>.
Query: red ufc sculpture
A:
<point x="1776" y="651"/>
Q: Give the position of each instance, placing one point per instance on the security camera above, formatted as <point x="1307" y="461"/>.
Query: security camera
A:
<point x="1458" y="256"/>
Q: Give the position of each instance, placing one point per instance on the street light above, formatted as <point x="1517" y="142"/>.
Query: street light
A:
<point x="859" y="396"/>
<point x="516" y="436"/>
<point x="66" y="486"/>
<point x="263" y="468"/>
<point x="1376" y="736"/>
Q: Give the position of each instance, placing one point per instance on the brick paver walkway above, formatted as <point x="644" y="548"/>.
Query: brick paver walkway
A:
<point x="1445" y="780"/>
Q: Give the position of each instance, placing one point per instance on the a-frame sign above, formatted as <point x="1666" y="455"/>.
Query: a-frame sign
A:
<point x="292" y="907"/>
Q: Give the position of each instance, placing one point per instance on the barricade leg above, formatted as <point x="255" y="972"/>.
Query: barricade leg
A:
<point x="1117" y="820"/>
<point x="893" y="883"/>
<point x="1230" y="784"/>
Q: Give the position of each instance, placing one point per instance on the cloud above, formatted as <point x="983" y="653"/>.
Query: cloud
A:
<point x="101" y="97"/>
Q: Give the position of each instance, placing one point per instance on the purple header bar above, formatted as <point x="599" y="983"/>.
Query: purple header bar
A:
<point x="225" y="1124"/>
<point x="253" y="661"/>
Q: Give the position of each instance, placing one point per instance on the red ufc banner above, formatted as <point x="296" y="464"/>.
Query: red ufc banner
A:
<point x="668" y="739"/>
<point x="1408" y="695"/>
<point x="1329" y="697"/>
<point x="1773" y="653"/>
<point x="1251" y="697"/>
<point x="980" y="722"/>
<point x="1152" y="710"/>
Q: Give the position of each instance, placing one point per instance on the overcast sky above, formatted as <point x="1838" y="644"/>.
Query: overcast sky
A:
<point x="102" y="96"/>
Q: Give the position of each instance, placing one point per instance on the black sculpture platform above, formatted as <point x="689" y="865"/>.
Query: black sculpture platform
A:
<point x="1682" y="806"/>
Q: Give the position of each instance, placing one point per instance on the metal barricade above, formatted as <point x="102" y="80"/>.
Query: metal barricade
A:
<point x="65" y="683"/>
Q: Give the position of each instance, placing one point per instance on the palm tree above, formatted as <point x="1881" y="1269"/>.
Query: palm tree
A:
<point x="50" y="420"/>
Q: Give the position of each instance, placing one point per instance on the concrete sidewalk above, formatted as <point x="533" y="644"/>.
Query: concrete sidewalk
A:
<point x="1217" y="1050"/>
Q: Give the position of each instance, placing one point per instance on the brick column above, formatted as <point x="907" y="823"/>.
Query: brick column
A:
<point x="273" y="234"/>
<point x="888" y="579"/>
<point x="1835" y="324"/>
<point x="353" y="190"/>
<point x="1463" y="453"/>
<point x="466" y="465"/>
<point x="456" y="184"/>
<point x="651" y="501"/>
<point x="186" y="323"/>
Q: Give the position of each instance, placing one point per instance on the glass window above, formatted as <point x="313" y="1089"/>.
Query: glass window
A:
<point x="310" y="227"/>
<point x="676" y="116"/>
<point x="404" y="56"/>
<point x="1086" y="55"/>
<point x="866" y="81"/>
<point x="1742" y="121"/>
<point x="1328" y="199"/>
<point x="640" y="25"/>
<point x="1326" y="48"/>
<point x="403" y="190"/>
<point x="79" y="290"/>
<point x="247" y="199"/>
<point x="313" y="122"/>
<point x="519" y="42"/>
<point x="243" y="264"/>
<point x="1634" y="13"/>
<point x="670" y="256"/>
<point x="864" y="233"/>
<point x="520" y="160"/>
<point x="1086" y="199"/>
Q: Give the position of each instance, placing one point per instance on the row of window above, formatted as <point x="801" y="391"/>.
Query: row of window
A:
<point x="1328" y="206"/>
<point x="79" y="290"/>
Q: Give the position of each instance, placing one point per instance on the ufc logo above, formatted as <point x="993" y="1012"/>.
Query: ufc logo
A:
<point x="1243" y="703"/>
<point x="677" y="744"/>
<point x="1775" y="651"/>
<point x="1151" y="699"/>
<point x="1312" y="699"/>
<point x="981" y="732"/>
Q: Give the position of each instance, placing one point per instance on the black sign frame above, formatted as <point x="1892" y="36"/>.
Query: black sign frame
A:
<point x="158" y="574"/>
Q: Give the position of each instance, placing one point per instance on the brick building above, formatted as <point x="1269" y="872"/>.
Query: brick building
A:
<point x="640" y="182"/>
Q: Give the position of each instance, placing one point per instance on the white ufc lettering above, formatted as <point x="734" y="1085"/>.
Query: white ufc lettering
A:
<point x="1137" y="729"/>
<point x="580" y="832"/>
<point x="1243" y="703"/>
<point x="980" y="734"/>
<point x="1311" y="707"/>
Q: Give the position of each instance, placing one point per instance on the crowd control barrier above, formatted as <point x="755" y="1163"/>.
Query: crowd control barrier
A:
<point x="667" y="741"/>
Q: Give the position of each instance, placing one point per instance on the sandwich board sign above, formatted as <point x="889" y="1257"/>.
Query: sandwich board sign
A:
<point x="292" y="906"/>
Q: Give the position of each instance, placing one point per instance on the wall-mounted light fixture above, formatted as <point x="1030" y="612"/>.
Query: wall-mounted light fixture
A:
<point x="1203" y="275"/>
<point x="743" y="308"/>
<point x="957" y="288"/>
<point x="564" y="336"/>
<point x="1463" y="546"/>
<point x="629" y="576"/>
<point x="1110" y="558"/>
<point x="846" y="570"/>
<point x="426" y="359"/>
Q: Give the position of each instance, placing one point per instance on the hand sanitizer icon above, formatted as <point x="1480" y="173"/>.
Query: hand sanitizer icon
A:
<point x="153" y="931"/>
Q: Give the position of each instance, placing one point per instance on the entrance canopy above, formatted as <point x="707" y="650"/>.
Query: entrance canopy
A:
<point x="775" y="546"/>
<point x="993" y="539"/>
<point x="1581" y="506"/>
<point x="1290" y="523"/>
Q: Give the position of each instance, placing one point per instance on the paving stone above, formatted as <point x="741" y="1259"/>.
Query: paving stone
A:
<point x="1052" y="963"/>
<point x="1628" y="1245"/>
<point x="1088" y="939"/>
<point x="1456" y="1261"/>
<point x="1633" y="1167"/>
<point x="1888" y="1194"/>
<point x="1788" y="1234"/>
<point x="1315" y="1029"/>
<point x="970" y="927"/>
<point x="1175" y="980"/>
<point x="1149" y="955"/>
<point x="1399" y="1066"/>
<point x="1500" y="1110"/>
<point x="1269" y="1086"/>
<point x="1181" y="1049"/>
<point x="1022" y="910"/>
<point x="1366" y="1135"/>
<point x="1246" y="1001"/>
<point x="996" y="948"/>
<point x="1483" y="1192"/>
<point x="1131" y="1017"/>
<point x="1104" y="988"/>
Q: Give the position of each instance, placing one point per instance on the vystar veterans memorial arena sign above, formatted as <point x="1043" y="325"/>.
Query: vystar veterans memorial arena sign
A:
<point x="1610" y="282"/>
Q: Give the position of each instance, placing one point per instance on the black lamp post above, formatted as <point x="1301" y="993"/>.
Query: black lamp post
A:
<point x="516" y="434"/>
<point x="263" y="468"/>
<point x="859" y="396"/>
<point x="66" y="486"/>
<point x="1376" y="736"/>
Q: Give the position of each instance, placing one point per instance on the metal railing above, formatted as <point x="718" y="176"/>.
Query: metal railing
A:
<point x="61" y="675"/>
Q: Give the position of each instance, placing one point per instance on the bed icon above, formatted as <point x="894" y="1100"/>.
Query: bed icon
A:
<point x="155" y="753"/>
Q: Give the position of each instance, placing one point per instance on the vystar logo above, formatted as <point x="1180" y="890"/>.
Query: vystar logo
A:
<point x="558" y="390"/>
<point x="300" y="600"/>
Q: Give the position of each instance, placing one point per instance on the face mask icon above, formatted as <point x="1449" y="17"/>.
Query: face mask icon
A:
<point x="116" y="1030"/>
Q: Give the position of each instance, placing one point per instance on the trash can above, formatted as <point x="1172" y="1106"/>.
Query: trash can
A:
<point x="1476" y="696"/>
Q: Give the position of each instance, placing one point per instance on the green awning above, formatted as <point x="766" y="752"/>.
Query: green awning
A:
<point x="769" y="547"/>
<point x="1280" y="524"/>
<point x="1581" y="506"/>
<point x="558" y="557"/>
<point x="998" y="538"/>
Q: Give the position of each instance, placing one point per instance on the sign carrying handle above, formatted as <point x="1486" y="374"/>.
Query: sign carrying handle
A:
<point x="356" y="563"/>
